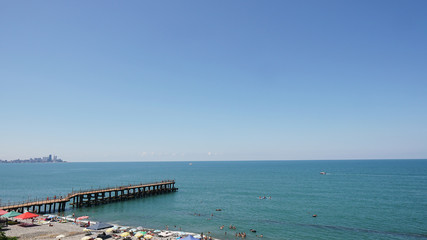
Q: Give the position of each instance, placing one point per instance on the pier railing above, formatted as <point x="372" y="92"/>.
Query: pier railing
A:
<point x="117" y="187"/>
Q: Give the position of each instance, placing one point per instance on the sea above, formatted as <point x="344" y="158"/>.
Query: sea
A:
<point x="355" y="199"/>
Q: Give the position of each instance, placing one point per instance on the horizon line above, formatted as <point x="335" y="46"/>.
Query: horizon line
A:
<point x="266" y="160"/>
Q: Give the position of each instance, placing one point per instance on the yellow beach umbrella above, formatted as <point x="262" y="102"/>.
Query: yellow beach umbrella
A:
<point x="125" y="234"/>
<point x="86" y="230"/>
<point x="110" y="230"/>
<point x="148" y="236"/>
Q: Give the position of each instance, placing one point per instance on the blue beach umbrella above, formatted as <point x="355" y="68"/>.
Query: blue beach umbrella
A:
<point x="189" y="237"/>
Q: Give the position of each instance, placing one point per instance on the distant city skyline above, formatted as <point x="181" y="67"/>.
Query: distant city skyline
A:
<point x="46" y="159"/>
<point x="220" y="80"/>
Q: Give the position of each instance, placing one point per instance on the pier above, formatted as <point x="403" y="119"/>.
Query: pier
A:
<point x="94" y="197"/>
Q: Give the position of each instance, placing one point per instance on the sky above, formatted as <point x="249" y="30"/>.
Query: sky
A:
<point x="213" y="80"/>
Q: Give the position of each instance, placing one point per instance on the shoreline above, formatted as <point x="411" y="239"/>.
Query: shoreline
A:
<point x="71" y="230"/>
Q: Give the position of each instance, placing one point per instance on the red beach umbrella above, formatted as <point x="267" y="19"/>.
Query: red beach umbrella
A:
<point x="83" y="217"/>
<point x="2" y="212"/>
<point x="26" y="215"/>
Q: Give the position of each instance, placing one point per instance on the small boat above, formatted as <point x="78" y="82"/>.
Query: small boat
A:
<point x="323" y="173"/>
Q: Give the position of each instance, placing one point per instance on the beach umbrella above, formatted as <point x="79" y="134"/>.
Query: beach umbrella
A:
<point x="98" y="239"/>
<point x="100" y="225"/>
<point x="86" y="230"/>
<point x="110" y="230"/>
<point x="60" y="236"/>
<point x="86" y="238"/>
<point x="189" y="237"/>
<point x="11" y="214"/>
<point x="125" y="234"/>
<point x="2" y="212"/>
<point x="148" y="236"/>
<point x="27" y="215"/>
<point x="138" y="235"/>
<point x="138" y="228"/>
<point x="82" y="217"/>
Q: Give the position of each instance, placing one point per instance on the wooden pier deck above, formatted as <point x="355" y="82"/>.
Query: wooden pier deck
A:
<point x="94" y="197"/>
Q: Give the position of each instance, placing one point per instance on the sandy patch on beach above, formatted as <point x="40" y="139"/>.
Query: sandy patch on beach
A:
<point x="70" y="231"/>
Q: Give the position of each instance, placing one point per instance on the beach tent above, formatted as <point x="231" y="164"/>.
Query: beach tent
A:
<point x="100" y="225"/>
<point x="26" y="215"/>
<point x="2" y="212"/>
<point x="11" y="214"/>
<point x="189" y="237"/>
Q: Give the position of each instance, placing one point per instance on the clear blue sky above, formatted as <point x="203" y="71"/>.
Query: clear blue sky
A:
<point x="213" y="80"/>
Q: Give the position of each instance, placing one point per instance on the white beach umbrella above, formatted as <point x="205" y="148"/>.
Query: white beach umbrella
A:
<point x="60" y="236"/>
<point x="86" y="238"/>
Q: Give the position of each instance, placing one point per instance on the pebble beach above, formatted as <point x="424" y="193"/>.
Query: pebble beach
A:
<point x="69" y="230"/>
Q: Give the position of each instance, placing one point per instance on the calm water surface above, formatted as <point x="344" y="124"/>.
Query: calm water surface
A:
<point x="375" y="199"/>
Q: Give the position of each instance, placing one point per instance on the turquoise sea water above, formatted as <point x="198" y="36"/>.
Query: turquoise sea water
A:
<point x="371" y="199"/>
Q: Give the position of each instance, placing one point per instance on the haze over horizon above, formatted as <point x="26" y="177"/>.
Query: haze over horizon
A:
<point x="220" y="80"/>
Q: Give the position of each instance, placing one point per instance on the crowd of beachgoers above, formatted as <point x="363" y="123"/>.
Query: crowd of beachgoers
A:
<point x="81" y="228"/>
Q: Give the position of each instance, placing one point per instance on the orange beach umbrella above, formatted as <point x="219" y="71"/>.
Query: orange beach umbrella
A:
<point x="26" y="215"/>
